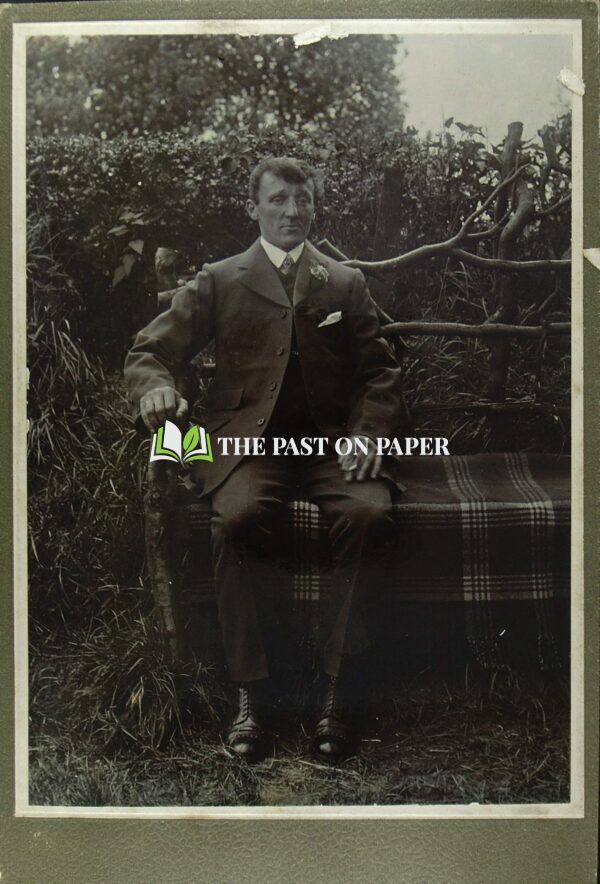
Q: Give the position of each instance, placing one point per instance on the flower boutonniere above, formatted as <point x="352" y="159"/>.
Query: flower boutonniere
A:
<point x="319" y="274"/>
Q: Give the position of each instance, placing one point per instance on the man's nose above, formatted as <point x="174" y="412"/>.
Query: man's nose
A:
<point x="291" y="209"/>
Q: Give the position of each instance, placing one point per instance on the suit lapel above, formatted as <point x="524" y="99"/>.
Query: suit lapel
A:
<point x="306" y="283"/>
<point x="302" y="282"/>
<point x="259" y="275"/>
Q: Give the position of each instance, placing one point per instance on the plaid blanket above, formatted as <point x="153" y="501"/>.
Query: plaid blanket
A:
<point x="487" y="533"/>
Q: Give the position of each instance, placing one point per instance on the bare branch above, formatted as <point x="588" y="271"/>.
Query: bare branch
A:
<point x="550" y="151"/>
<point x="497" y="190"/>
<point x="545" y="174"/>
<point x="518" y="221"/>
<point x="448" y="329"/>
<point x="518" y="266"/>
<point x="491" y="231"/>
<point x="523" y="405"/>
<point x="326" y="246"/>
<point x="508" y="161"/>
<point x="507" y="311"/>
<point x="436" y="249"/>
<point x="555" y="207"/>
<point x="430" y="250"/>
<point x="462" y="330"/>
<point x="551" y="297"/>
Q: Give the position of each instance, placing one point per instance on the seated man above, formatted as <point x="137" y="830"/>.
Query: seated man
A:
<point x="298" y="354"/>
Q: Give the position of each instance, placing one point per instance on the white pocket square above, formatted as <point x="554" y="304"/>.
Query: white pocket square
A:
<point x="331" y="319"/>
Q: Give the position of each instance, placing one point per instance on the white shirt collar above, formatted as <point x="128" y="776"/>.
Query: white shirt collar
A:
<point x="276" y="255"/>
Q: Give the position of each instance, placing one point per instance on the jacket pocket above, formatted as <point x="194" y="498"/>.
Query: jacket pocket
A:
<point x="214" y="422"/>
<point x="221" y="405"/>
<point x="226" y="399"/>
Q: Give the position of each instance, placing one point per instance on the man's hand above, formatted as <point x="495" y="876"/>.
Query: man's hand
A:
<point x="361" y="465"/>
<point x="161" y="404"/>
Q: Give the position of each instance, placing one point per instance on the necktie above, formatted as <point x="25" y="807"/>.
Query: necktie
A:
<point x="287" y="264"/>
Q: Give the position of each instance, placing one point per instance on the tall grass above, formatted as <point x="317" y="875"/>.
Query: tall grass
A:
<point x="109" y="683"/>
<point x="85" y="470"/>
<point x="98" y="670"/>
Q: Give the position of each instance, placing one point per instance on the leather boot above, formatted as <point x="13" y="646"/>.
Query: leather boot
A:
<point x="247" y="734"/>
<point x="333" y="736"/>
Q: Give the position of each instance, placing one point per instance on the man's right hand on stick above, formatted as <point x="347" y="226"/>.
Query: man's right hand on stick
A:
<point x="161" y="404"/>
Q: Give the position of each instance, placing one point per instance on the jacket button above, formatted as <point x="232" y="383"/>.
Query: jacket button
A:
<point x="273" y="385"/>
<point x="283" y="314"/>
<point x="260" y="421"/>
<point x="280" y="351"/>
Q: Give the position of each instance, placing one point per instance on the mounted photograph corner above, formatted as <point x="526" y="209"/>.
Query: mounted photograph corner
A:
<point x="300" y="308"/>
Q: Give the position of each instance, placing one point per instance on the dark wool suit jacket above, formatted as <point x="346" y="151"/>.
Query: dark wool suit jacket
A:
<point x="351" y="376"/>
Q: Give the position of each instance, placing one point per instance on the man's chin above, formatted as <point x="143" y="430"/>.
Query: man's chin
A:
<point x="289" y="241"/>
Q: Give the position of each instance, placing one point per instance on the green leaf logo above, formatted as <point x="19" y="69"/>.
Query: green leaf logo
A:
<point x="191" y="439"/>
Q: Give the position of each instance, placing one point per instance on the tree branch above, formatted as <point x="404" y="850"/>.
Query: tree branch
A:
<point x="326" y="246"/>
<point x="462" y="330"/>
<point x="550" y="151"/>
<point x="447" y="329"/>
<point x="524" y="405"/>
<point x="491" y="231"/>
<point x="544" y="306"/>
<point x="493" y="195"/>
<point x="431" y="249"/>
<point x="554" y="207"/>
<point x="508" y="161"/>
<point x="437" y="249"/>
<point x="500" y="264"/>
<point x="523" y="214"/>
<point x="519" y="220"/>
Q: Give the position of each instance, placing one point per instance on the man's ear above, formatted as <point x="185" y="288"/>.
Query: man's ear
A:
<point x="251" y="209"/>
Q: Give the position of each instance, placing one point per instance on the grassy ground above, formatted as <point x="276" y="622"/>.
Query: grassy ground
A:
<point x="471" y="737"/>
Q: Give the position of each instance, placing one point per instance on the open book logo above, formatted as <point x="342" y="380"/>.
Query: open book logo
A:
<point x="169" y="444"/>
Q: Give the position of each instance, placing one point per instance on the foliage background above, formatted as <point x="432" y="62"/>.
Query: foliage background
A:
<point x="198" y="86"/>
<point x="147" y="142"/>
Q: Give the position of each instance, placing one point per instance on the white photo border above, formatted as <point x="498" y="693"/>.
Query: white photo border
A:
<point x="335" y="28"/>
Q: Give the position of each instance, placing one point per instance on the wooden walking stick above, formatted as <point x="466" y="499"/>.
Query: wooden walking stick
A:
<point x="159" y="503"/>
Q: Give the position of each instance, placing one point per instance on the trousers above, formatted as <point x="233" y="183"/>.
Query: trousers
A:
<point x="247" y="511"/>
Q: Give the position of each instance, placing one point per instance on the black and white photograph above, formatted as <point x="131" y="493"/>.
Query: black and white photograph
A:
<point x="297" y="362"/>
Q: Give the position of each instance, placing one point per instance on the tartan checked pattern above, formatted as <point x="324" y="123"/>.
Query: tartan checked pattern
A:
<point x="541" y="530"/>
<point x="484" y="531"/>
<point x="481" y="633"/>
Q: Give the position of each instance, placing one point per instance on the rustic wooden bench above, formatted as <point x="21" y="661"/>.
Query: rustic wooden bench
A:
<point x="483" y="552"/>
<point x="484" y="536"/>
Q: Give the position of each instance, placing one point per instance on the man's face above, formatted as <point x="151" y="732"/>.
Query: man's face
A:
<point x="284" y="210"/>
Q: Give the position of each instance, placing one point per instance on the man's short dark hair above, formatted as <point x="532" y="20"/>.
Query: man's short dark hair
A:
<point x="291" y="170"/>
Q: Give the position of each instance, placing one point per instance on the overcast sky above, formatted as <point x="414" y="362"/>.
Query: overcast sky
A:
<point x="484" y="80"/>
